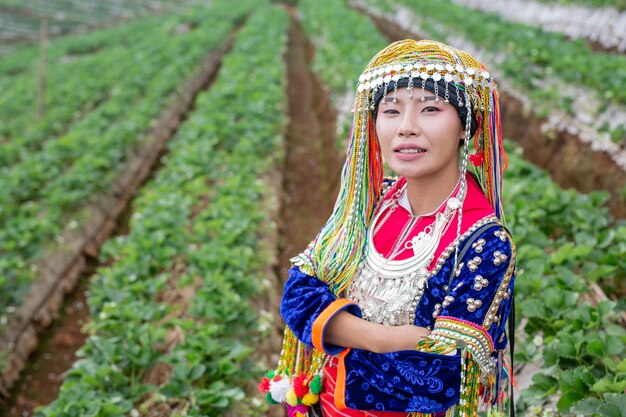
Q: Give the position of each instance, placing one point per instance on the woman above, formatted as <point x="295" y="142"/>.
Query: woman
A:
<point x="399" y="305"/>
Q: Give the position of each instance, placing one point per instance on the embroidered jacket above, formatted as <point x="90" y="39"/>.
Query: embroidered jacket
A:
<point x="468" y="307"/>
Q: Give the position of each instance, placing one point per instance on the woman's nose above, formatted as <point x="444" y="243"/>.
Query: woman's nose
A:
<point x="409" y="125"/>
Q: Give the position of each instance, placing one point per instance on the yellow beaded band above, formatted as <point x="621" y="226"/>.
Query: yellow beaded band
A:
<point x="466" y="334"/>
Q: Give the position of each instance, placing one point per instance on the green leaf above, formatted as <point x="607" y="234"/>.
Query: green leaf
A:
<point x="545" y="383"/>
<point x="610" y="363"/>
<point x="609" y="410"/>
<point x="615" y="330"/>
<point x="174" y="389"/>
<point x="587" y="407"/>
<point x="605" y="308"/>
<point x="111" y="410"/>
<point x="596" y="346"/>
<point x="617" y="399"/>
<point x="621" y="367"/>
<point x="566" y="350"/>
<point x="600" y="271"/>
<point x="562" y="254"/>
<point x="603" y="385"/>
<point x="196" y="372"/>
<point x="575" y="380"/>
<point x="614" y="346"/>
<point x="533" y="308"/>
<point x="568" y="399"/>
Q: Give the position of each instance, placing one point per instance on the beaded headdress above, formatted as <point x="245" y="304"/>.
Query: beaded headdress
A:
<point x="451" y="74"/>
<point x="448" y="72"/>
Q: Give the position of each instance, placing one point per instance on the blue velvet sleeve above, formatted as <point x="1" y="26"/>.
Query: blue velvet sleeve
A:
<point x="304" y="299"/>
<point x="407" y="380"/>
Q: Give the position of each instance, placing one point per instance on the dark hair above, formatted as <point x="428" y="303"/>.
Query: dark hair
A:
<point x="456" y="96"/>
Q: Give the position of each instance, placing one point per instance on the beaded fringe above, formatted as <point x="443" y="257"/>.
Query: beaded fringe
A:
<point x="297" y="380"/>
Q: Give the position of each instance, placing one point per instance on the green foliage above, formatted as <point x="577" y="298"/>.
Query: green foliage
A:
<point x="232" y="138"/>
<point x="119" y="55"/>
<point x="565" y="242"/>
<point x="343" y="39"/>
<point x="616" y="4"/>
<point x="42" y="191"/>
<point x="21" y="20"/>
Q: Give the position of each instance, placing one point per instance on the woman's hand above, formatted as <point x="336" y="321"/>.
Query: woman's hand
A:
<point x="348" y="330"/>
<point x="394" y="338"/>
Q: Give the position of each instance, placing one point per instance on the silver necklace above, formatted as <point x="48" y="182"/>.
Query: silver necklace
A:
<point x="384" y="288"/>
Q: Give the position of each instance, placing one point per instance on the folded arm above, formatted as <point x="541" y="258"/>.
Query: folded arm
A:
<point x="320" y="319"/>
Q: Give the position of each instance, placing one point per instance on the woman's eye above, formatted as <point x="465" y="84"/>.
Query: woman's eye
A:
<point x="391" y="111"/>
<point x="430" y="109"/>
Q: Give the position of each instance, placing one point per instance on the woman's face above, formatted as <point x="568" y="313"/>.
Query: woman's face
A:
<point x="419" y="139"/>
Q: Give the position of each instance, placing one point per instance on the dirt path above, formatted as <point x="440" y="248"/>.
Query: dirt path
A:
<point x="43" y="376"/>
<point x="312" y="164"/>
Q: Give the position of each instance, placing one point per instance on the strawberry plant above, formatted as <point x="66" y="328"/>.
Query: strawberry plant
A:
<point x="567" y="242"/>
<point x="232" y="138"/>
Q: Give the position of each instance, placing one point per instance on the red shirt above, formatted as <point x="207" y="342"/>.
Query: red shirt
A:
<point x="475" y="207"/>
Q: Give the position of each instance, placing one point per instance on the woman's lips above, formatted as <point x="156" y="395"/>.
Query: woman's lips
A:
<point x="409" y="153"/>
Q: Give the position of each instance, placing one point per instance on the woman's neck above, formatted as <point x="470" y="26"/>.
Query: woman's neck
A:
<point x="427" y="194"/>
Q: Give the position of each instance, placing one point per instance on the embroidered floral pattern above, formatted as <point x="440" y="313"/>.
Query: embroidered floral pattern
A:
<point x="423" y="405"/>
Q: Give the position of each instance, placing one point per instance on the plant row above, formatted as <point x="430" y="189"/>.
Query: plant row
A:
<point x="46" y="193"/>
<point x="26" y="57"/>
<point x="195" y="229"/>
<point x="600" y="26"/>
<point x="95" y="10"/>
<point x="616" y="4"/>
<point x="566" y="243"/>
<point x="331" y="47"/>
<point x="330" y="39"/>
<point x="121" y="57"/>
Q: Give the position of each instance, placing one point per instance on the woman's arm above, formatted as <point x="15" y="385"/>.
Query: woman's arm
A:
<point x="348" y="330"/>
<point x="320" y="319"/>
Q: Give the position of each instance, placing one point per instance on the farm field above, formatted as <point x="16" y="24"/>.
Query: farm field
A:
<point x="150" y="200"/>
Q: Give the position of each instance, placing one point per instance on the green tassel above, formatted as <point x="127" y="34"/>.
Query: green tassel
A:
<point x="269" y="398"/>
<point x="316" y="385"/>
